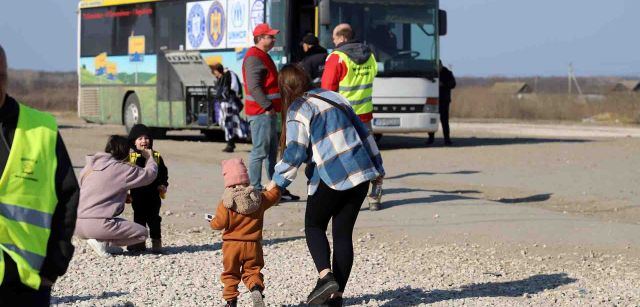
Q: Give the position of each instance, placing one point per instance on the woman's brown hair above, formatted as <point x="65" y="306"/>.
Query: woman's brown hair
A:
<point x="118" y="147"/>
<point x="293" y="82"/>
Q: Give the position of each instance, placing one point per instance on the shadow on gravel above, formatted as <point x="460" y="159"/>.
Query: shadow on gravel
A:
<point x="69" y="127"/>
<point x="82" y="298"/>
<point x="186" y="249"/>
<point x="392" y="142"/>
<point x="195" y="137"/>
<point x="191" y="138"/>
<point x="529" y="199"/>
<point x="409" y="190"/>
<point x="408" y="296"/>
<point x="430" y="174"/>
<point x="451" y="196"/>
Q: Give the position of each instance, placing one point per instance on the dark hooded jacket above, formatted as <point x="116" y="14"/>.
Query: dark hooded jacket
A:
<point x="313" y="62"/>
<point x="150" y="192"/>
<point x="357" y="51"/>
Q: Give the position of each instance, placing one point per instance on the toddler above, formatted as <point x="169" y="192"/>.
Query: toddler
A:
<point x="240" y="213"/>
<point x="146" y="200"/>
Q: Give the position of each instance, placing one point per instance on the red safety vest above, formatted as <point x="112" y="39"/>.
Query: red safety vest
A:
<point x="270" y="86"/>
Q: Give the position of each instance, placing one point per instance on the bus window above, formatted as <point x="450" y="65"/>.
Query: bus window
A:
<point x="401" y="33"/>
<point x="95" y="39"/>
<point x="123" y="21"/>
<point x="170" y="25"/>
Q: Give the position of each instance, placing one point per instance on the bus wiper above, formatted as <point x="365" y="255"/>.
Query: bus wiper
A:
<point x="421" y="27"/>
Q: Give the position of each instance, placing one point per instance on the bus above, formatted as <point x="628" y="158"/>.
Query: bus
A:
<point x="146" y="61"/>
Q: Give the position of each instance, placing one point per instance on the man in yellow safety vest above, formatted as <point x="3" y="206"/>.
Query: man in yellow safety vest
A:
<point x="38" y="202"/>
<point x="350" y="70"/>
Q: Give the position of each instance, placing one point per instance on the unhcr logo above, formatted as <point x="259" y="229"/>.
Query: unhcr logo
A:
<point x="236" y="15"/>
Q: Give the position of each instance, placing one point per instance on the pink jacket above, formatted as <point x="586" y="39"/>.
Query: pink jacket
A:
<point x="104" y="189"/>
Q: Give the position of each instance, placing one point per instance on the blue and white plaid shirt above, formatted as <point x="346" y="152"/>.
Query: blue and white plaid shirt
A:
<point x="343" y="154"/>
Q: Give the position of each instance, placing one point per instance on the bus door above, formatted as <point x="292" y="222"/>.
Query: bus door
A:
<point x="294" y="19"/>
<point x="302" y="17"/>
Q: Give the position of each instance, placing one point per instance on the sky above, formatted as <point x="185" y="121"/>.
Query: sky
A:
<point x="485" y="37"/>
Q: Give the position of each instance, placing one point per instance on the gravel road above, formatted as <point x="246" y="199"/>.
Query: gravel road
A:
<point x="501" y="219"/>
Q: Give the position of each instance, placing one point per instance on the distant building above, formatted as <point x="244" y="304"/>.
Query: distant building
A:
<point x="516" y="89"/>
<point x="627" y="86"/>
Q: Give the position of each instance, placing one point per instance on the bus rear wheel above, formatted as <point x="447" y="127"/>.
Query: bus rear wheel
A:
<point x="215" y="135"/>
<point x="132" y="115"/>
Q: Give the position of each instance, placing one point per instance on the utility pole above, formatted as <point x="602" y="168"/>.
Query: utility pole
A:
<point x="569" y="77"/>
<point x="572" y="77"/>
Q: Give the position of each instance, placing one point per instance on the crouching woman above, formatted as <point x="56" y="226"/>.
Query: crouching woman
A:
<point x="104" y="183"/>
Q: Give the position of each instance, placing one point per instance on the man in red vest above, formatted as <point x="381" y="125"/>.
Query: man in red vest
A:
<point x="262" y="105"/>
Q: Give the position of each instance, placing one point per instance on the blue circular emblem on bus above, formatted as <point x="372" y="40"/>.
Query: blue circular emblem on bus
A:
<point x="257" y="13"/>
<point x="195" y="25"/>
<point x="216" y="22"/>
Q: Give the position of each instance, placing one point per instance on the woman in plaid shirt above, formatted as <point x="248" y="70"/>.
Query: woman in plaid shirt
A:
<point x="323" y="131"/>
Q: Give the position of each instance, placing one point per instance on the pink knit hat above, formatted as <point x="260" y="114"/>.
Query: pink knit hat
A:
<point x="234" y="172"/>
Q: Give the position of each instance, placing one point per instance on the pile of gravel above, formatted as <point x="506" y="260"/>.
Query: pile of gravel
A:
<point x="384" y="274"/>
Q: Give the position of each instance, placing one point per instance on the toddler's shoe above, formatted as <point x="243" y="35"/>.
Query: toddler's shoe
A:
<point x="156" y="246"/>
<point x="257" y="297"/>
<point x="233" y="303"/>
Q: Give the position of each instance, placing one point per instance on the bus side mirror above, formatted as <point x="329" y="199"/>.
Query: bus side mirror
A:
<point x="324" y="11"/>
<point x="442" y="22"/>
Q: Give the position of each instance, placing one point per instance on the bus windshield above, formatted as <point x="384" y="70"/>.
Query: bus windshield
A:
<point x="402" y="34"/>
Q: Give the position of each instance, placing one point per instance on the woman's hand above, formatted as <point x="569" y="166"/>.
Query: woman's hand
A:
<point x="271" y="185"/>
<point x="146" y="153"/>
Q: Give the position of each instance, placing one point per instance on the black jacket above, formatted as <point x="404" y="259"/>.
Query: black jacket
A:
<point x="313" y="62"/>
<point x="447" y="83"/>
<point x="224" y="90"/>
<point x="59" y="248"/>
<point x="150" y="192"/>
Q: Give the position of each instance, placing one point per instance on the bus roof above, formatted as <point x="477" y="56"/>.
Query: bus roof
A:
<point x="99" y="3"/>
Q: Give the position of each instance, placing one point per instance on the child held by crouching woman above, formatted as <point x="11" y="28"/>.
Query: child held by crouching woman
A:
<point x="146" y="200"/>
<point x="240" y="213"/>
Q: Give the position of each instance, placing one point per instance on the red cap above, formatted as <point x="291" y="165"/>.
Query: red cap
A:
<point x="263" y="29"/>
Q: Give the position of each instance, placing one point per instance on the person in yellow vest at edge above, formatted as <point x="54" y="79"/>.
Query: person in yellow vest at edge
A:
<point x="350" y="70"/>
<point x="38" y="202"/>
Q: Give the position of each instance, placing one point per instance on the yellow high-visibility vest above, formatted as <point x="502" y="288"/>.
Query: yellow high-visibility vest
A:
<point x="133" y="157"/>
<point x="28" y="194"/>
<point x="357" y="85"/>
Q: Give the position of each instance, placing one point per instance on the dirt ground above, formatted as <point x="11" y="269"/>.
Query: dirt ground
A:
<point x="546" y="192"/>
<point x="562" y="185"/>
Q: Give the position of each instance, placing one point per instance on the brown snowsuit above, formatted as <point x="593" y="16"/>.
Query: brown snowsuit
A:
<point x="241" y="247"/>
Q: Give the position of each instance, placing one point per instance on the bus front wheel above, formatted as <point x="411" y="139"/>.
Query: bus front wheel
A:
<point x="132" y="114"/>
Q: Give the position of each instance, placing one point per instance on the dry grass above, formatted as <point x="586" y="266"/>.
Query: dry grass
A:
<point x="480" y="102"/>
<point x="52" y="91"/>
